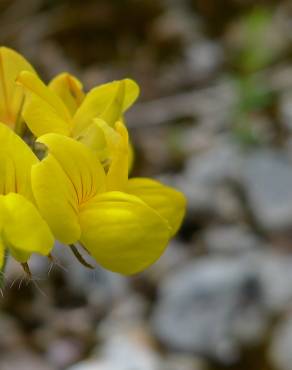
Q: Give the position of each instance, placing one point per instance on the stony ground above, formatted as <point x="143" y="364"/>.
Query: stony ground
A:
<point x="215" y="120"/>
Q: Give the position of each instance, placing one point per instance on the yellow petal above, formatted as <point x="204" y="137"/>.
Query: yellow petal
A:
<point x="93" y="137"/>
<point x="69" y="89"/>
<point x="118" y="144"/>
<point x="2" y="256"/>
<point x="122" y="233"/>
<point x="68" y="177"/>
<point x="168" y="202"/>
<point x="16" y="159"/>
<point x="131" y="151"/>
<point x="44" y="111"/>
<point x="98" y="99"/>
<point x="24" y="230"/>
<point x="114" y="109"/>
<point x="78" y="163"/>
<point x="56" y="198"/>
<point x="11" y="95"/>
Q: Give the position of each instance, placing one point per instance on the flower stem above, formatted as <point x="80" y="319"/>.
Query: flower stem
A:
<point x="80" y="257"/>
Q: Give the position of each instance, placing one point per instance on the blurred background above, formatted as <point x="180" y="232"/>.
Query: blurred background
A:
<point x="215" y="120"/>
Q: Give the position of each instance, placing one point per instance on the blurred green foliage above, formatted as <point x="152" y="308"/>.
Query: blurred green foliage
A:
<point x="254" y="97"/>
<point x="256" y="52"/>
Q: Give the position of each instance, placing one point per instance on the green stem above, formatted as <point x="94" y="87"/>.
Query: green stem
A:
<point x="80" y="257"/>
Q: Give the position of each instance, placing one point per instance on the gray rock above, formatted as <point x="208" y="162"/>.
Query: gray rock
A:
<point x="93" y="365"/>
<point x="200" y="198"/>
<point x="230" y="239"/>
<point x="199" y="307"/>
<point x="102" y="287"/>
<point x="218" y="164"/>
<point x="204" y="58"/>
<point x="267" y="180"/>
<point x="183" y="361"/>
<point x="275" y="276"/>
<point x="212" y="107"/>
<point x="62" y="352"/>
<point x="23" y="359"/>
<point x="227" y="206"/>
<point x="128" y="348"/>
<point x="280" y="349"/>
<point x="206" y="173"/>
<point x="123" y="314"/>
<point x="285" y="108"/>
<point x="99" y="286"/>
<point x="129" y="353"/>
<point x="176" y="254"/>
<point x="10" y="333"/>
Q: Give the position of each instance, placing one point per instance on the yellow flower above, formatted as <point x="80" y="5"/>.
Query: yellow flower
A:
<point x="11" y="95"/>
<point x="62" y="107"/>
<point x="22" y="229"/>
<point x="69" y="89"/>
<point x="124" y="224"/>
<point x="80" y="191"/>
<point x="169" y="202"/>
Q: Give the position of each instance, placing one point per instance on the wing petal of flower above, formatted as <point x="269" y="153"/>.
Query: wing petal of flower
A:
<point x="103" y="98"/>
<point x="44" y="111"/>
<point x="168" y="202"/>
<point x="122" y="233"/>
<point x="24" y="230"/>
<point x="11" y="95"/>
<point x="69" y="89"/>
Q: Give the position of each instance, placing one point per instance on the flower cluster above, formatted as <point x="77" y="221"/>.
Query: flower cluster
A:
<point x="79" y="192"/>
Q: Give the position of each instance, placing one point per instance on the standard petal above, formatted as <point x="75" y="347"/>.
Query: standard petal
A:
<point x="93" y="137"/>
<point x="44" y="110"/>
<point x="122" y="233"/>
<point x="24" y="230"/>
<point x="11" y="95"/>
<point x="98" y="100"/>
<point x="168" y="202"/>
<point x="56" y="198"/>
<point x="69" y="89"/>
<point x="16" y="159"/>
<point x="78" y="163"/>
<point x="118" y="144"/>
<point x="114" y="109"/>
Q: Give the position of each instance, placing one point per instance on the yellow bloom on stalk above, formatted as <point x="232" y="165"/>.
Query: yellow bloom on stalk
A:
<point x="12" y="95"/>
<point x="80" y="192"/>
<point x="22" y="229"/>
<point x="63" y="108"/>
<point x="124" y="224"/>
